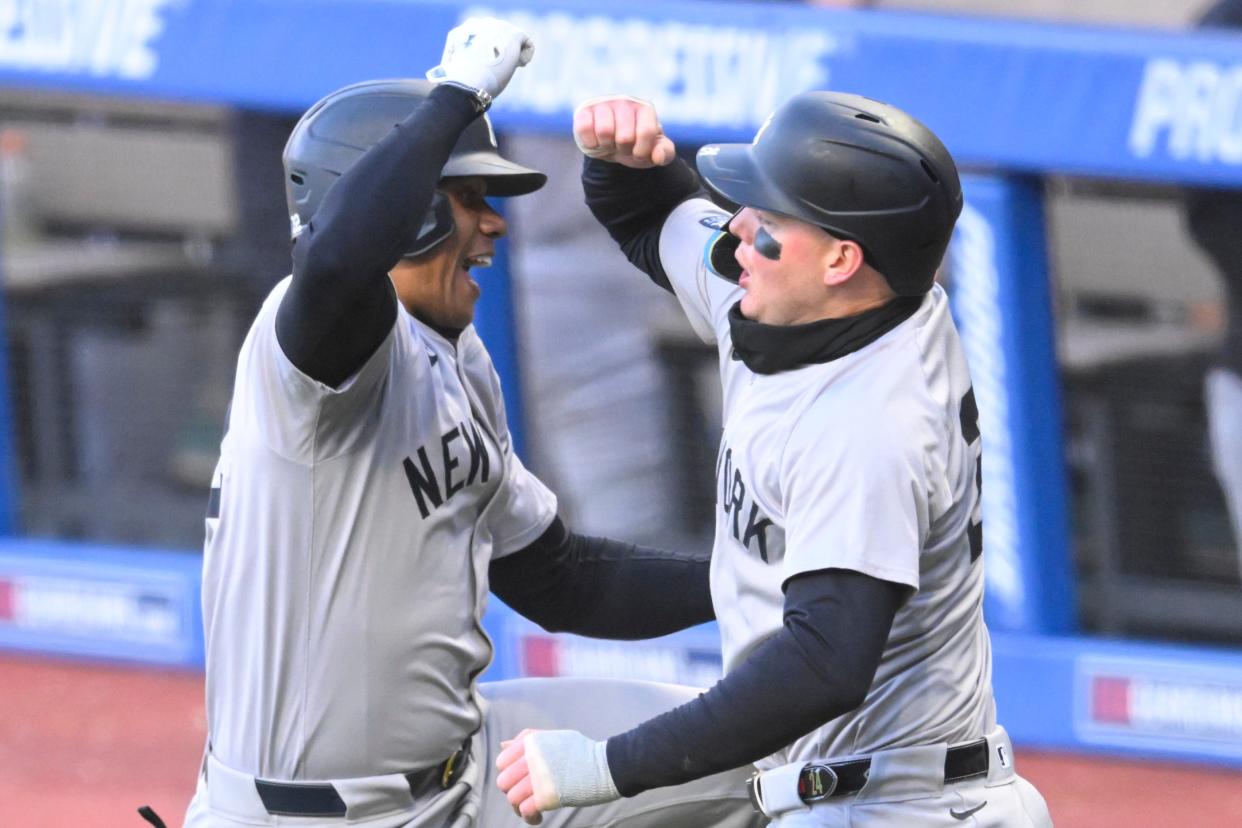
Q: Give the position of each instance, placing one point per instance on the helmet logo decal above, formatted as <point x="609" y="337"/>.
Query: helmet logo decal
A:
<point x="295" y="225"/>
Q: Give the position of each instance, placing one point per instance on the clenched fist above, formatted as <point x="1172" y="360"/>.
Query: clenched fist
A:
<point x="623" y="130"/>
<point x="481" y="55"/>
<point x="542" y="770"/>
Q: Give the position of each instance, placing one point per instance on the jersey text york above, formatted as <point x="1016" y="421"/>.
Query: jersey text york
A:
<point x="748" y="525"/>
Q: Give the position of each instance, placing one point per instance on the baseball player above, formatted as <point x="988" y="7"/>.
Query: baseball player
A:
<point x="367" y="495"/>
<point x="847" y="570"/>
<point x="1213" y="217"/>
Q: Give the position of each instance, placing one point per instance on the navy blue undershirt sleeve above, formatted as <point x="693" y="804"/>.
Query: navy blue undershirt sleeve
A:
<point x="603" y="588"/>
<point x="340" y="305"/>
<point x="632" y="205"/>
<point x="817" y="667"/>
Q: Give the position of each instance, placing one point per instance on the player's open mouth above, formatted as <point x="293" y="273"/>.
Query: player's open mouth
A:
<point x="482" y="260"/>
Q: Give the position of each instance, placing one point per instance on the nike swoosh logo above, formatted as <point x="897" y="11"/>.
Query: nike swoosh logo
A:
<point x="967" y="814"/>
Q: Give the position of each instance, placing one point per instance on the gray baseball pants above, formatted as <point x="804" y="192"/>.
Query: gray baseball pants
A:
<point x="596" y="707"/>
<point x="906" y="786"/>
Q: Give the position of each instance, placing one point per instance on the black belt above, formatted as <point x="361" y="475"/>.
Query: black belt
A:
<point x="820" y="781"/>
<point x="320" y="799"/>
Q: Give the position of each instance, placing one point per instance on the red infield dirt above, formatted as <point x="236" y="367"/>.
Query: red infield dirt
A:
<point x="84" y="745"/>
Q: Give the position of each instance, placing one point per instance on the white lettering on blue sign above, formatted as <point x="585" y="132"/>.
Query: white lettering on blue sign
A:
<point x="102" y="610"/>
<point x="1160" y="701"/>
<point x="1192" y="111"/>
<point x="1179" y="708"/>
<point x="976" y="304"/>
<point x="706" y="74"/>
<point x="95" y="37"/>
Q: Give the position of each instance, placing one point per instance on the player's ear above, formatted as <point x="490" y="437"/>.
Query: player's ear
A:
<point x="842" y="259"/>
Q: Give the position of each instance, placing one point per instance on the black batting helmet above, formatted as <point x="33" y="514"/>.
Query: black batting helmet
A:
<point x="336" y="131"/>
<point x="860" y="169"/>
<point x="1225" y="14"/>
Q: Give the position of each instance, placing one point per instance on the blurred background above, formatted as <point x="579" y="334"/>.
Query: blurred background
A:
<point x="1096" y="277"/>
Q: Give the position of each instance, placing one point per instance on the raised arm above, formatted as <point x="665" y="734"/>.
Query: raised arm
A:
<point x="632" y="177"/>
<point x="340" y="304"/>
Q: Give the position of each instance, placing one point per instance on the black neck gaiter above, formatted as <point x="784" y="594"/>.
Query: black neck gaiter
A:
<point x="770" y="349"/>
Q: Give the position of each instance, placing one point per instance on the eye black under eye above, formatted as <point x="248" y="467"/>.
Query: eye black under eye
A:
<point x="767" y="246"/>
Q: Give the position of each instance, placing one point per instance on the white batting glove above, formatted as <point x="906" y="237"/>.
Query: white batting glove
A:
<point x="481" y="55"/>
<point x="622" y="130"/>
<point x="542" y="770"/>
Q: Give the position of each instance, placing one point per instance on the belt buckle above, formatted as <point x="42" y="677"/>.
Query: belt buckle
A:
<point x="454" y="766"/>
<point x="816" y="782"/>
<point x="752" y="793"/>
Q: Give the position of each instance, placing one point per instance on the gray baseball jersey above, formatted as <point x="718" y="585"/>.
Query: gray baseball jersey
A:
<point x="346" y="556"/>
<point x="869" y="462"/>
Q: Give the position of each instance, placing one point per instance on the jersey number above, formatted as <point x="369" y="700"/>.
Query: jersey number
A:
<point x="970" y="433"/>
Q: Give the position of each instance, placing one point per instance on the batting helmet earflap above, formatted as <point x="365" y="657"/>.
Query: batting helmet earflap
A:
<point x="336" y="131"/>
<point x="860" y="169"/>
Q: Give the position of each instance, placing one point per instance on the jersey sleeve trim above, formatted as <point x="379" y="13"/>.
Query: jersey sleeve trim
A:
<point x="297" y="416"/>
<point x="523" y="538"/>
<point x="358" y="378"/>
<point x="893" y="575"/>
<point x="685" y="241"/>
